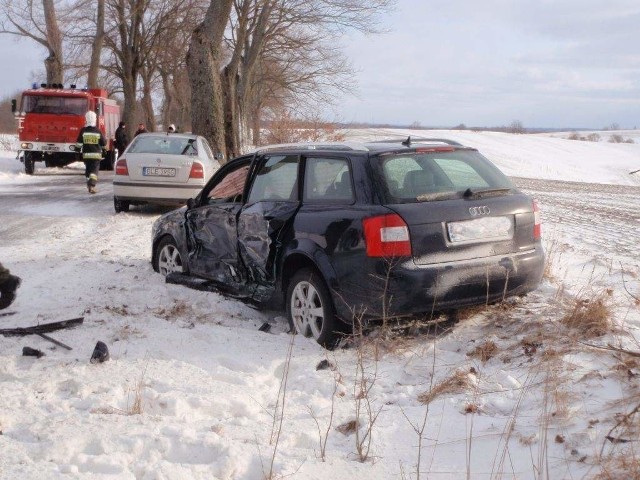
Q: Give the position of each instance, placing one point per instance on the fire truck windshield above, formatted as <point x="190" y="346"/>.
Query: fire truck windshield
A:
<point x="55" y="105"/>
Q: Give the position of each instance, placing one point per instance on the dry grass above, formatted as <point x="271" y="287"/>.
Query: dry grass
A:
<point x="136" y="407"/>
<point x="135" y="402"/>
<point x="178" y="309"/>
<point x="348" y="428"/>
<point x="459" y="382"/>
<point x="591" y="317"/>
<point x="620" y="466"/>
<point x="484" y="352"/>
<point x="553" y="253"/>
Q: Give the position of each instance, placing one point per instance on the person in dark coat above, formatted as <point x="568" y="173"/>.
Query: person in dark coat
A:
<point x="141" y="129"/>
<point x="92" y="144"/>
<point x="8" y="286"/>
<point x="122" y="140"/>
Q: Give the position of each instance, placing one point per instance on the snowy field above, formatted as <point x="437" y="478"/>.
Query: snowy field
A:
<point x="544" y="386"/>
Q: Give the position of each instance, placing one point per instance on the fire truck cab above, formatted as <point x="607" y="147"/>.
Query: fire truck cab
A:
<point x="50" y="118"/>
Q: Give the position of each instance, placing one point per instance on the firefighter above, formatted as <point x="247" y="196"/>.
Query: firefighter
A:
<point x="122" y="140"/>
<point x="8" y="286"/>
<point x="92" y="144"/>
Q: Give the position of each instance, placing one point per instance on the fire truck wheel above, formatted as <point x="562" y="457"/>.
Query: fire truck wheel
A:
<point x="120" y="205"/>
<point x="29" y="163"/>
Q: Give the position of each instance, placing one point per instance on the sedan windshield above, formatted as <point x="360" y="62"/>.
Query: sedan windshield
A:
<point x="164" y="144"/>
<point x="55" y="105"/>
<point x="415" y="177"/>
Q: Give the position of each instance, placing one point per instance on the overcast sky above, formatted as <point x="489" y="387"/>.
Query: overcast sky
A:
<point x="546" y="63"/>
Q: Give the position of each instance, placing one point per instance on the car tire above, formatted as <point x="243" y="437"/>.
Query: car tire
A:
<point x="168" y="258"/>
<point x="120" y="205"/>
<point x="29" y="163"/>
<point x="310" y="309"/>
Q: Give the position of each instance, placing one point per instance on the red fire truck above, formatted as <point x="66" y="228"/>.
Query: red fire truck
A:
<point x="50" y="118"/>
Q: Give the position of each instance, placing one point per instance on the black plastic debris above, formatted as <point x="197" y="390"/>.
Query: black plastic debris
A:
<point x="265" y="327"/>
<point x="100" y="353"/>
<point x="31" y="352"/>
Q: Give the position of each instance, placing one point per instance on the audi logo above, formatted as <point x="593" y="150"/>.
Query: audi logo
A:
<point x="475" y="211"/>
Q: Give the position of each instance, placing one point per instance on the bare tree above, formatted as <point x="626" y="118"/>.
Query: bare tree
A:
<point x="286" y="49"/>
<point x="39" y="23"/>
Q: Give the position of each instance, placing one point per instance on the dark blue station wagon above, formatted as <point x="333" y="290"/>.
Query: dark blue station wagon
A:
<point x="342" y="231"/>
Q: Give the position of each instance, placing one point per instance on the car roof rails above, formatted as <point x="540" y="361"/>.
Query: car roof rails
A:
<point x="409" y="140"/>
<point x="334" y="146"/>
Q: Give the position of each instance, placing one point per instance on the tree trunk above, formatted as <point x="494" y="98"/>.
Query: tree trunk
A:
<point x="96" y="50"/>
<point x="231" y="119"/>
<point x="203" y="64"/>
<point x="53" y="63"/>
<point x="255" y="126"/>
<point x="129" y="87"/>
<point x="147" y="102"/>
<point x="207" y="114"/>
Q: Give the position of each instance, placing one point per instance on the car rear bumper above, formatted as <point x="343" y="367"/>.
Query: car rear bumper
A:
<point x="408" y="289"/>
<point x="156" y="193"/>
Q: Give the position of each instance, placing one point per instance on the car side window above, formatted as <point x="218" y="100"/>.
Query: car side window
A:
<point x="327" y="180"/>
<point x="229" y="189"/>
<point x="277" y="179"/>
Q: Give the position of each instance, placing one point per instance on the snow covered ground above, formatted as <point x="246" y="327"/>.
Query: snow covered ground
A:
<point x="194" y="390"/>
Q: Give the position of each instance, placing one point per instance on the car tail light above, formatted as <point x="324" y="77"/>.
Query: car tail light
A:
<point x="121" y="167"/>
<point x="197" y="170"/>
<point x="537" y="221"/>
<point x="387" y="236"/>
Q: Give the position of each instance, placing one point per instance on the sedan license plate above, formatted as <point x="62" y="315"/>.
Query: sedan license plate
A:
<point x="481" y="229"/>
<point x="158" y="172"/>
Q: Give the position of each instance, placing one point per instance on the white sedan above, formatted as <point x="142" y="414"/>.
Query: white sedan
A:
<point x="162" y="169"/>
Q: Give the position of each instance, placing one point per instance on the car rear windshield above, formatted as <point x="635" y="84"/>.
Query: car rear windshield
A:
<point x="415" y="177"/>
<point x="164" y="144"/>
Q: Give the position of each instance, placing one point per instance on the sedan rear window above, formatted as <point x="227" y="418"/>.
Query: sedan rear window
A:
<point x="164" y="145"/>
<point x="438" y="175"/>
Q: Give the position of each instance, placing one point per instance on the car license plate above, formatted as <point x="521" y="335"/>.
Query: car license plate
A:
<point x="481" y="229"/>
<point x="50" y="148"/>
<point x="158" y="172"/>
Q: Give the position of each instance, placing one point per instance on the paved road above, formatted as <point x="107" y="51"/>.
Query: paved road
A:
<point x="30" y="204"/>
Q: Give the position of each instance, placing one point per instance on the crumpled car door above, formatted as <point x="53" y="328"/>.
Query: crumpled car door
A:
<point x="212" y="230"/>
<point x="213" y="242"/>
<point x="264" y="223"/>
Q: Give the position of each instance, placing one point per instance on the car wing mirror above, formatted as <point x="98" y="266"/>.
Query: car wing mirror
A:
<point x="191" y="203"/>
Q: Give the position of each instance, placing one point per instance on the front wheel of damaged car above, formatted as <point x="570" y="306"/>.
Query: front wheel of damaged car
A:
<point x="168" y="258"/>
<point x="310" y="309"/>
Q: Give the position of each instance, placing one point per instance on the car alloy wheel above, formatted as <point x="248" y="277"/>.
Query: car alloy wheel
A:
<point x="169" y="259"/>
<point x="310" y="308"/>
